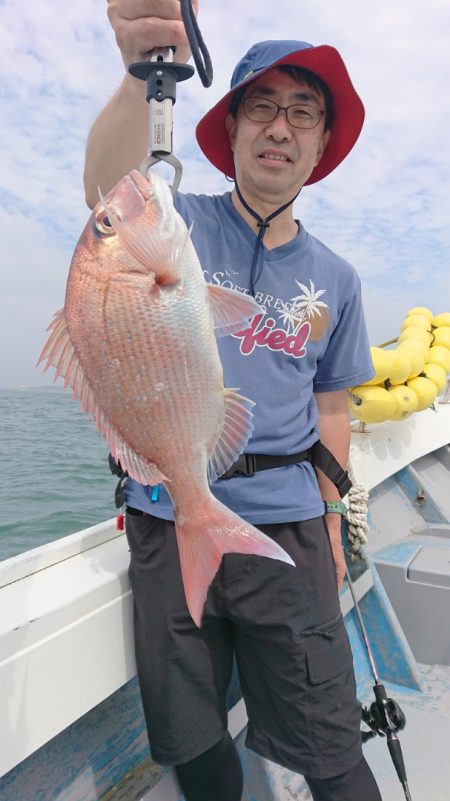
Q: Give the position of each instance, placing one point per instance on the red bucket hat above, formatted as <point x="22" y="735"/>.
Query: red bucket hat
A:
<point x="324" y="61"/>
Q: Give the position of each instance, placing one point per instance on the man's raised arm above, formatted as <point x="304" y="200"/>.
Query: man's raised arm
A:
<point x="117" y="141"/>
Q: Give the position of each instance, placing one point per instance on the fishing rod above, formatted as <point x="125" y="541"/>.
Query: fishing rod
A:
<point x="384" y="716"/>
<point x="162" y="75"/>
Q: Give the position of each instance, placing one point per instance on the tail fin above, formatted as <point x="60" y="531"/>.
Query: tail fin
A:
<point x="201" y="545"/>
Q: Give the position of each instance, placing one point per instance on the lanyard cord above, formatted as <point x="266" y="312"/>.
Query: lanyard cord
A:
<point x="258" y="255"/>
<point x="198" y="47"/>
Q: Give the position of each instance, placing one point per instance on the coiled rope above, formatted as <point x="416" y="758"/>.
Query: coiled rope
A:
<point x="358" y="526"/>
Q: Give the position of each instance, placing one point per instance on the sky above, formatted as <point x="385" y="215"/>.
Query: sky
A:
<point x="386" y="209"/>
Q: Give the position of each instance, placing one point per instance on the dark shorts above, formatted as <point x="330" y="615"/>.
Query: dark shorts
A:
<point x="284" y="627"/>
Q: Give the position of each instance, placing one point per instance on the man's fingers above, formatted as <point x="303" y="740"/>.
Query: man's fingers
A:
<point x="142" y="35"/>
<point x="138" y="9"/>
<point x="143" y="25"/>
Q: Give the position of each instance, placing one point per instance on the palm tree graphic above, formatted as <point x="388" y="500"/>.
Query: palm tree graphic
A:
<point x="302" y="307"/>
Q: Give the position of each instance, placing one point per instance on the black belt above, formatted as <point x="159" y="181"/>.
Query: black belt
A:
<point x="250" y="463"/>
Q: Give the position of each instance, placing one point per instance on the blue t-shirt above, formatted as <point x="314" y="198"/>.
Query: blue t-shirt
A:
<point x="310" y="338"/>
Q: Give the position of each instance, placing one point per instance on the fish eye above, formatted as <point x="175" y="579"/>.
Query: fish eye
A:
<point x="102" y="225"/>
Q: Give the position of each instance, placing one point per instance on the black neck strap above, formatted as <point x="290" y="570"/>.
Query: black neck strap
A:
<point x="256" y="269"/>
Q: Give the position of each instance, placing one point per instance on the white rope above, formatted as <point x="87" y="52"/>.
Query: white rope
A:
<point x="357" y="516"/>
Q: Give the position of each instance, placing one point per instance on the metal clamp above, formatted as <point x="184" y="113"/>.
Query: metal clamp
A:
<point x="154" y="158"/>
<point x="162" y="75"/>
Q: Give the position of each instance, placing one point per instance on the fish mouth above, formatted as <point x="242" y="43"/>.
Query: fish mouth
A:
<point x="126" y="200"/>
<point x="142" y="184"/>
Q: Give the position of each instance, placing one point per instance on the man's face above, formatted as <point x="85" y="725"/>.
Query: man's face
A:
<point x="273" y="160"/>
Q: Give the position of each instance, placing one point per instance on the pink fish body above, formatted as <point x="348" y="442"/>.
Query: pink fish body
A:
<point x="136" y="343"/>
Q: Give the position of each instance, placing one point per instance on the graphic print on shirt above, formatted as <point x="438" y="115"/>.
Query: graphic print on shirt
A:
<point x="302" y="318"/>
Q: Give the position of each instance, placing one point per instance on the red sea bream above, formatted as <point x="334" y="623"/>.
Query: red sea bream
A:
<point x="136" y="343"/>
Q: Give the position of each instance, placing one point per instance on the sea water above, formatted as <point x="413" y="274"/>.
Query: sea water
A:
<point x="54" y="477"/>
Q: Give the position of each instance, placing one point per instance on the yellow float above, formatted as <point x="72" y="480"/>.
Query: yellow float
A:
<point x="406" y="401"/>
<point x="417" y="354"/>
<point x="437" y="374"/>
<point x="382" y="364"/>
<point x="371" y="404"/>
<point x="420" y="320"/>
<point x="437" y="354"/>
<point x="441" y="319"/>
<point x="425" y="390"/>
<point x="421" y="310"/>
<point x="415" y="332"/>
<point x="442" y="336"/>
<point x="402" y="366"/>
<point x="408" y="377"/>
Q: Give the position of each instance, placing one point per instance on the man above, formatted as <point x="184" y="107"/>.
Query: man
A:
<point x="290" y="117"/>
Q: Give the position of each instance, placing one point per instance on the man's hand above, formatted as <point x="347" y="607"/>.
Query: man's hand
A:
<point x="334" y="529"/>
<point x="143" y="25"/>
<point x="118" y="139"/>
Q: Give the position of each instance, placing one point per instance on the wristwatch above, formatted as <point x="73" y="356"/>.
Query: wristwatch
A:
<point x="336" y="507"/>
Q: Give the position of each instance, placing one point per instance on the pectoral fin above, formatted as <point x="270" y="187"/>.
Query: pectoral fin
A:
<point x="230" y="309"/>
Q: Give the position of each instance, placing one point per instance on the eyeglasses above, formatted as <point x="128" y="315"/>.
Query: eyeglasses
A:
<point x="299" y="115"/>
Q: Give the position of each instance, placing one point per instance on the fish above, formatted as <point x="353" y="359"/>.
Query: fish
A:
<point x="136" y="343"/>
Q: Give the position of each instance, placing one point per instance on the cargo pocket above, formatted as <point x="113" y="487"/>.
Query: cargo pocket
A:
<point x="335" y="711"/>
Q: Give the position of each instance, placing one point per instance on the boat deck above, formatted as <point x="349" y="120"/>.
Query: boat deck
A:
<point x="73" y="728"/>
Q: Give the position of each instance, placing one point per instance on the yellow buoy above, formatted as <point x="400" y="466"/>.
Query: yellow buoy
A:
<point x="421" y="310"/>
<point x="437" y="354"/>
<point x="371" y="404"/>
<point x="418" y="344"/>
<point x="416" y="352"/>
<point x="442" y="336"/>
<point x="415" y="332"/>
<point x="401" y="366"/>
<point x="406" y="401"/>
<point x="441" y="319"/>
<point x="382" y="364"/>
<point x="436" y="374"/>
<point x="421" y="320"/>
<point x="425" y="390"/>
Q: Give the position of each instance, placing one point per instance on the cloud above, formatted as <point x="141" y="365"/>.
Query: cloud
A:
<point x="386" y="208"/>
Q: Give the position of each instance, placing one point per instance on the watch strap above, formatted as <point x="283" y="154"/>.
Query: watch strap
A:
<point x="336" y="507"/>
